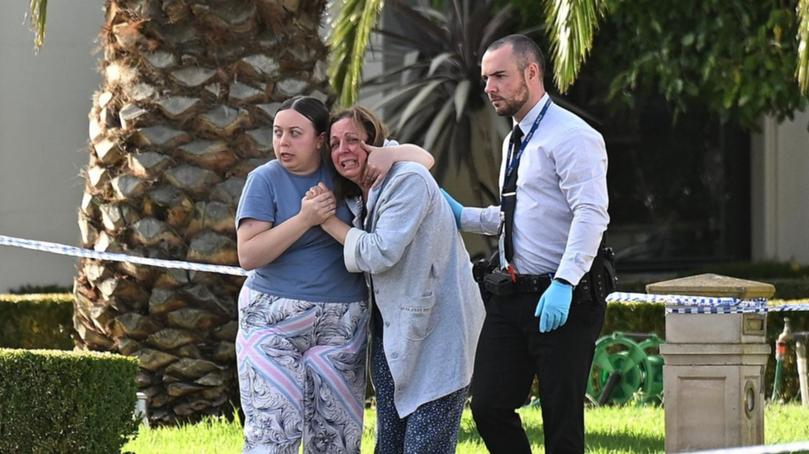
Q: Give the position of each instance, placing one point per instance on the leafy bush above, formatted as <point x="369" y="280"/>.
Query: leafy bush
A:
<point x="32" y="288"/>
<point x="758" y="270"/>
<point x="36" y="321"/>
<point x="55" y="401"/>
<point x="635" y="318"/>
<point x="791" y="280"/>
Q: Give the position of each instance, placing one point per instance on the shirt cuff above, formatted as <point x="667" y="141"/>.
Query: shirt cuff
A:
<point x="570" y="272"/>
<point x="485" y="221"/>
<point x="350" y="249"/>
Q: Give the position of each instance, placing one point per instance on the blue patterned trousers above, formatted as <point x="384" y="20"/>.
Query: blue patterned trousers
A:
<point x="432" y="428"/>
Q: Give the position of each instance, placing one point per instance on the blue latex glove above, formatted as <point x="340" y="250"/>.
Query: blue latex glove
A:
<point x="455" y="206"/>
<point x="553" y="306"/>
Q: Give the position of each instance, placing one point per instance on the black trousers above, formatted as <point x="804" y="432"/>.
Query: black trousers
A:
<point x="511" y="351"/>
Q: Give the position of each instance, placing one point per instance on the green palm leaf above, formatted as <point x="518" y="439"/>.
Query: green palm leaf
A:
<point x="39" y="10"/>
<point x="802" y="71"/>
<point x="571" y="26"/>
<point x="348" y="41"/>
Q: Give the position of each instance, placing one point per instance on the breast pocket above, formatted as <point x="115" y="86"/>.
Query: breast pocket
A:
<point x="419" y="318"/>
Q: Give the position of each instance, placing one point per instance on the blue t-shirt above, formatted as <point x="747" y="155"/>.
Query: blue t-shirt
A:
<point x="312" y="269"/>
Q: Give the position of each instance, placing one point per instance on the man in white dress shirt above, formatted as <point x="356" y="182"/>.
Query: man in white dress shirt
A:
<point x="549" y="288"/>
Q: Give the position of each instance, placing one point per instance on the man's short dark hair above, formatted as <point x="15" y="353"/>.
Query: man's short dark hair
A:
<point x="526" y="50"/>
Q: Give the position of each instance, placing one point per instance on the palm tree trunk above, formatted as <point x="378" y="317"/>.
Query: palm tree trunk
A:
<point x="184" y="112"/>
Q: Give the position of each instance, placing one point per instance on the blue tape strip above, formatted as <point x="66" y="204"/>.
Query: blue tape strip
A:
<point x="684" y="304"/>
<point x="63" y="249"/>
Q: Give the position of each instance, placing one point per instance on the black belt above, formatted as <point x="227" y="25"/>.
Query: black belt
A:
<point x="531" y="283"/>
<point x="595" y="285"/>
<point x="501" y="283"/>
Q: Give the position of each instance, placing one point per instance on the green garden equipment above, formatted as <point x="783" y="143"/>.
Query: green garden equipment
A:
<point x="652" y="367"/>
<point x="781" y="348"/>
<point x="624" y="369"/>
<point x="616" y="373"/>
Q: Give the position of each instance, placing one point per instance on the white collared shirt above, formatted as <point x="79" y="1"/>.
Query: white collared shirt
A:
<point x="562" y="200"/>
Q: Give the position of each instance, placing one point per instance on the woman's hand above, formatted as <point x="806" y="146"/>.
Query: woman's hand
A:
<point x="317" y="190"/>
<point x="377" y="165"/>
<point x="317" y="206"/>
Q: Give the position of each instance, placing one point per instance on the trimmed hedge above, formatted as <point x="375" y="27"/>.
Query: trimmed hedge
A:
<point x="36" y="321"/>
<point x="45" y="321"/>
<point x="791" y="280"/>
<point x="635" y="318"/>
<point x="57" y="401"/>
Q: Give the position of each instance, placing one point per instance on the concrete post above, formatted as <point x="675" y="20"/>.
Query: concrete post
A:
<point x="713" y="376"/>
<point x="141" y="411"/>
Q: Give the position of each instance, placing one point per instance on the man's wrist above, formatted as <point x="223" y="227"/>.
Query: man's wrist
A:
<point x="563" y="281"/>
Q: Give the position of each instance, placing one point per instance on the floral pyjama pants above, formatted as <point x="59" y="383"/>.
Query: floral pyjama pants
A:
<point x="301" y="371"/>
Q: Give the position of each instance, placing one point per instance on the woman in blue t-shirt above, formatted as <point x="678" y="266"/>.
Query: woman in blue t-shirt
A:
<point x="302" y="316"/>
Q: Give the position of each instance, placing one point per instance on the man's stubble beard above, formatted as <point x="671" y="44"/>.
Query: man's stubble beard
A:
<point x="514" y="105"/>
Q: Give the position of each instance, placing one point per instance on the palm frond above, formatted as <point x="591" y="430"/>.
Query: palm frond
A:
<point x="492" y="27"/>
<point x="571" y="26"/>
<point x="435" y="97"/>
<point x="417" y="102"/>
<point x="462" y="92"/>
<point x="803" y="45"/>
<point x="37" y="19"/>
<point x="348" y="41"/>
<point x="439" y="125"/>
<point x="395" y="96"/>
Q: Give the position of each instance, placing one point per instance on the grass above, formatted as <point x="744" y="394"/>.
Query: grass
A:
<point x="609" y="430"/>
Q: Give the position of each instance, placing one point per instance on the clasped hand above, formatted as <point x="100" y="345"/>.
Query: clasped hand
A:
<point x="553" y="306"/>
<point x="318" y="205"/>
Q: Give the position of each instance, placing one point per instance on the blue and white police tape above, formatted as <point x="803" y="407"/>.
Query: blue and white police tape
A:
<point x="685" y="304"/>
<point x="682" y="300"/>
<point x="64" y="249"/>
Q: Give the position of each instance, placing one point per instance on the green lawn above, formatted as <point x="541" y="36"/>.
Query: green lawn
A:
<point x="609" y="430"/>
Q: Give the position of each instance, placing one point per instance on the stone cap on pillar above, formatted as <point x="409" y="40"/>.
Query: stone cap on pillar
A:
<point x="712" y="285"/>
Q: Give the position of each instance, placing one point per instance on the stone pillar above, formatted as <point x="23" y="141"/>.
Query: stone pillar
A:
<point x="713" y="375"/>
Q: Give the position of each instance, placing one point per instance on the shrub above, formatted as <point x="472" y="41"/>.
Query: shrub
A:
<point x="757" y="271"/>
<point x="55" y="401"/>
<point x="635" y="318"/>
<point x="791" y="280"/>
<point x="35" y="288"/>
<point x="36" y="321"/>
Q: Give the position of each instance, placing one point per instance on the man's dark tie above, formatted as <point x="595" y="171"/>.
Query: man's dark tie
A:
<point x="510" y="192"/>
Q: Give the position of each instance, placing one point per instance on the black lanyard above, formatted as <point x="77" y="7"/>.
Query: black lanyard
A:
<point x="515" y="160"/>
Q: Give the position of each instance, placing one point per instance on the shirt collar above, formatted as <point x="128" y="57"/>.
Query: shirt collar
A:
<point x="528" y="120"/>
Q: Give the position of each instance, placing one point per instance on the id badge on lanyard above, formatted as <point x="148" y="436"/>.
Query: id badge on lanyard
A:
<point x="513" y="163"/>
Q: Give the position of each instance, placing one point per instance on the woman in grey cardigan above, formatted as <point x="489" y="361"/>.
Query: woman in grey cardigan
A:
<point x="427" y="308"/>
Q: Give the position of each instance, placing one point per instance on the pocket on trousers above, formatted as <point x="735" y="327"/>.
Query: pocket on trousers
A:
<point x="418" y="319"/>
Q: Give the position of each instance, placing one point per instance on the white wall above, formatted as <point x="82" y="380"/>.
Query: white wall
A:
<point x="780" y="190"/>
<point x="44" y="100"/>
